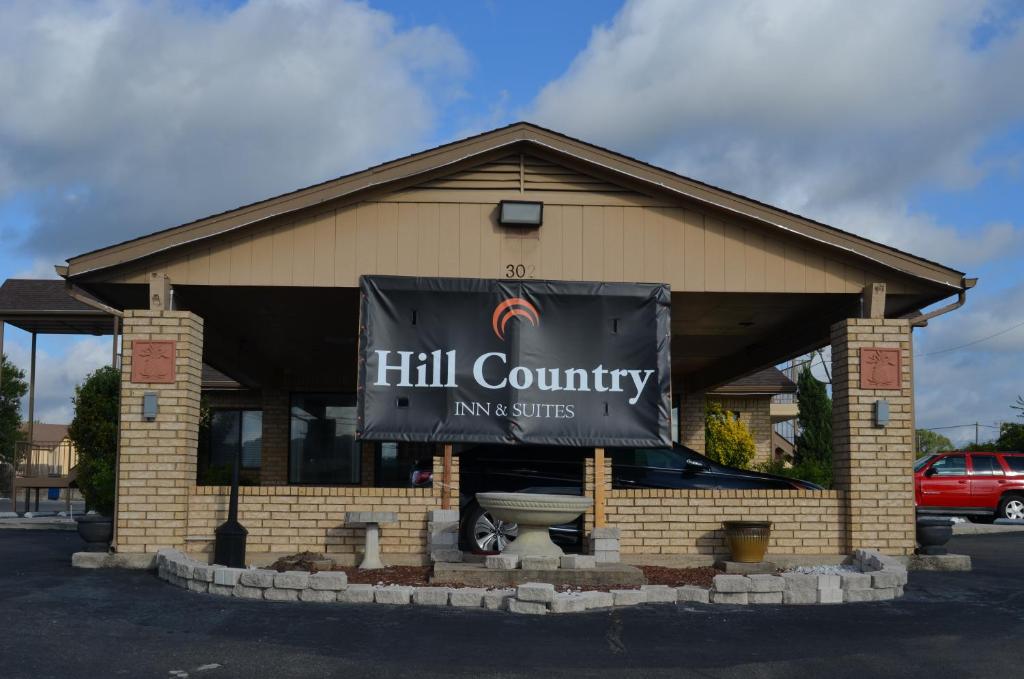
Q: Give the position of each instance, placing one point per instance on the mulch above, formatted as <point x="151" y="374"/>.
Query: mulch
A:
<point x="420" y="575"/>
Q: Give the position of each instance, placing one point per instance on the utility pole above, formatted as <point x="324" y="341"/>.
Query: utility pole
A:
<point x="975" y="434"/>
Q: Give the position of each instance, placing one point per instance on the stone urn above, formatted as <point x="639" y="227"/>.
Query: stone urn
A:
<point x="535" y="513"/>
<point x="933" y="532"/>
<point x="747" y="540"/>
<point x="96" y="530"/>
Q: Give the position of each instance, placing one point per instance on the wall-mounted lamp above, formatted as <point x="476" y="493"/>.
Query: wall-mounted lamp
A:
<point x="881" y="412"/>
<point x="520" y="213"/>
<point x="149" y="406"/>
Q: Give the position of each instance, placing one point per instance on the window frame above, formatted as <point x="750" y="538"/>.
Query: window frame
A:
<point x="359" y="443"/>
<point x="240" y="410"/>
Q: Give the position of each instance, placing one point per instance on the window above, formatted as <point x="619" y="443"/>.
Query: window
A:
<point x="232" y="431"/>
<point x="951" y="465"/>
<point x="1015" y="463"/>
<point x="322" y="440"/>
<point x="396" y="462"/>
<point x="986" y="465"/>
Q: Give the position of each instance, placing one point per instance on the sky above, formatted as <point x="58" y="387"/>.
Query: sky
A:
<point x="902" y="122"/>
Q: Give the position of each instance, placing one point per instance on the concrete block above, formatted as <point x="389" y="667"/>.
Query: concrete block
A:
<point x="855" y="581"/>
<point x="568" y="603"/>
<point x="502" y="561"/>
<point x="292" y="580"/>
<point x="527" y="607"/>
<point x="184" y="568"/>
<point x="740" y="598"/>
<point x="886" y="578"/>
<point x="829" y="582"/>
<point x="627" y="597"/>
<point x="732" y="583"/>
<point x="885" y="593"/>
<point x="430" y="596"/>
<point x="227" y="577"/>
<point x="446" y="555"/>
<point x="830" y="595"/>
<point x="659" y="594"/>
<point x="606" y="556"/>
<point x="255" y="577"/>
<point x="693" y="594"/>
<point x="605" y="544"/>
<point x="245" y="592"/>
<point x="766" y="583"/>
<point x="597" y="599"/>
<point x="177" y="581"/>
<point x="323" y="596"/>
<point x="392" y="595"/>
<point x="221" y="590"/>
<point x="605" y="533"/>
<point x="497" y="600"/>
<point x="444" y="515"/>
<point x="939" y="562"/>
<point x="745" y="568"/>
<point x="198" y="585"/>
<point x="541" y="592"/>
<point x="540" y="563"/>
<point x="328" y="580"/>
<point x="854" y="596"/>
<point x="577" y="561"/>
<point x="275" y="594"/>
<point x="467" y="597"/>
<point x="764" y="597"/>
<point x="204" y="572"/>
<point x="800" y="596"/>
<point x="800" y="582"/>
<point x="356" y="594"/>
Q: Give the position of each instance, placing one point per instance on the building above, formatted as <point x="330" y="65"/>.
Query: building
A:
<point x="267" y="294"/>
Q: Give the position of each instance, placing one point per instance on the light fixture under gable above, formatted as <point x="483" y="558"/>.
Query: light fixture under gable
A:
<point x="520" y="213"/>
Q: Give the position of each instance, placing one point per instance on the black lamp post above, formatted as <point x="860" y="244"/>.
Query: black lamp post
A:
<point x="229" y="547"/>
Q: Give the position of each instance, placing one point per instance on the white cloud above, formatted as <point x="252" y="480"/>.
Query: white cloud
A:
<point x="60" y="369"/>
<point x="835" y="110"/>
<point x="125" y="117"/>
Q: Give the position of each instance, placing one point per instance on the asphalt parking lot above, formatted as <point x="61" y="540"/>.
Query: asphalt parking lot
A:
<point x="62" y="622"/>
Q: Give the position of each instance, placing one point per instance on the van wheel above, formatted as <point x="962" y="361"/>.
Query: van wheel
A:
<point x="1012" y="507"/>
<point x="481" y="532"/>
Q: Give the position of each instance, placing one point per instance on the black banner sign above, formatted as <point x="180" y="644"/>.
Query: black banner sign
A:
<point x="454" y="360"/>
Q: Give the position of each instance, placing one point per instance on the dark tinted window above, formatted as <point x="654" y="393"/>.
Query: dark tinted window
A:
<point x="323" y="447"/>
<point x="951" y="465"/>
<point x="1015" y="462"/>
<point x="396" y="462"/>
<point x="234" y="430"/>
<point x="985" y="465"/>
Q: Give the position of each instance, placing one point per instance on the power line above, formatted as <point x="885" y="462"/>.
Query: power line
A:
<point x="977" y="341"/>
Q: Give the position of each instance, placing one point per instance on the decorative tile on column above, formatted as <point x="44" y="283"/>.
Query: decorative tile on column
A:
<point x="153" y="361"/>
<point x="880" y="368"/>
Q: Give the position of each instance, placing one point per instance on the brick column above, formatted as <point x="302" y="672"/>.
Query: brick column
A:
<point x="692" y="411"/>
<point x="157" y="469"/>
<point x="274" y="467"/>
<point x="873" y="465"/>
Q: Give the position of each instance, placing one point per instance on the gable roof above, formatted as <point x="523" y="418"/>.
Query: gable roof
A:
<point x="44" y="306"/>
<point x="503" y="140"/>
<point x="767" y="381"/>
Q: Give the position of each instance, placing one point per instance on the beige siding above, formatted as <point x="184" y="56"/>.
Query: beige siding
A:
<point x="592" y="231"/>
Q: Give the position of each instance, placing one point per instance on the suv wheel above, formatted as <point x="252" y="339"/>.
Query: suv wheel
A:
<point x="1012" y="507"/>
<point x="483" y="533"/>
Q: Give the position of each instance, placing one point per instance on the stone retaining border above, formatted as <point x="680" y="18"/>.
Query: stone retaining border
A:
<point x="877" y="578"/>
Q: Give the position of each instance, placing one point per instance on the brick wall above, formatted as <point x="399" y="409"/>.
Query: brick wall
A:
<point x="666" y="522"/>
<point x="289" y="519"/>
<point x="157" y="459"/>
<point x="693" y="416"/>
<point x="874" y="464"/>
<point x="274" y="467"/>
<point x="755" y="413"/>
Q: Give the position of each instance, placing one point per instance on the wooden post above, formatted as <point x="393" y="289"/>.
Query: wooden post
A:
<point x="446" y="473"/>
<point x="32" y="400"/>
<point x="599" y="520"/>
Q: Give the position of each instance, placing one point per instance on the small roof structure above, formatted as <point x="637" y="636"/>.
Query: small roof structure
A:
<point x="45" y="307"/>
<point x="50" y="434"/>
<point x="767" y="382"/>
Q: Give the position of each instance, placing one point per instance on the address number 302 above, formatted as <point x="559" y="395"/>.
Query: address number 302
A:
<point x="519" y="270"/>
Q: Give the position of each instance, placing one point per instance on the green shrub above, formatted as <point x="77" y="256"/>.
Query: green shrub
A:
<point x="726" y="439"/>
<point x="94" y="433"/>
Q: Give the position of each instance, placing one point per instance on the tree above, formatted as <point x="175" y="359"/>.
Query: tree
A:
<point x="814" y="443"/>
<point x="726" y="439"/>
<point x="1011" y="437"/>
<point x="94" y="432"/>
<point x="12" y="388"/>
<point x="929" y="442"/>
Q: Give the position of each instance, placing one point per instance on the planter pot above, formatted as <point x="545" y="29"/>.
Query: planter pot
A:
<point x="97" y="531"/>
<point x="535" y="513"/>
<point x="747" y="540"/>
<point x="932" y="534"/>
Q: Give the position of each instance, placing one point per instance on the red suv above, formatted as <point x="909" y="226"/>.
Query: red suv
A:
<point x="981" y="486"/>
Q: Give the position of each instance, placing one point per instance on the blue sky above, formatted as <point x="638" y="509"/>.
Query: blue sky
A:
<point x="903" y="122"/>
